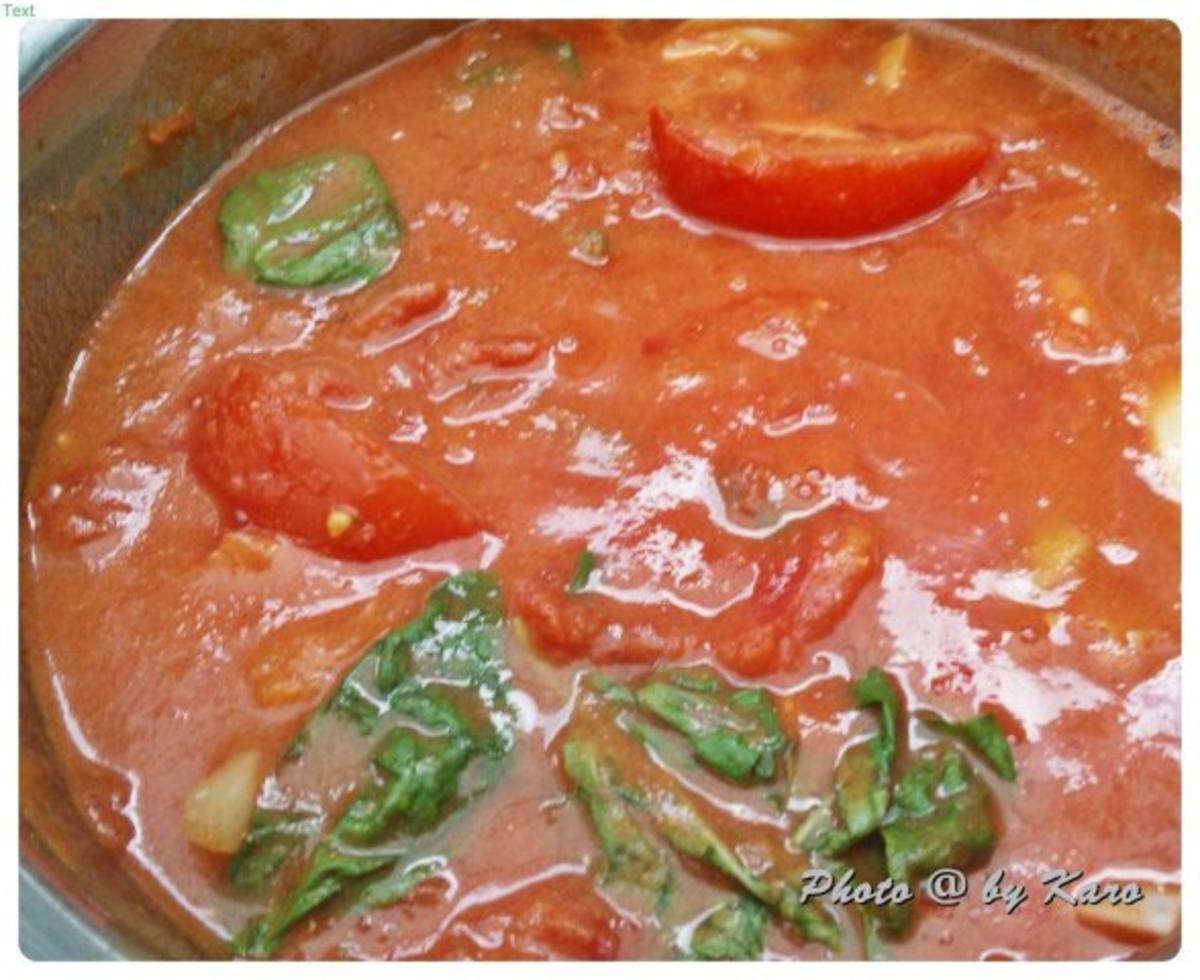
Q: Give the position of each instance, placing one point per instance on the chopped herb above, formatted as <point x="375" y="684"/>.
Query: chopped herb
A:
<point x="414" y="780"/>
<point x="869" y="864"/>
<point x="689" y="833"/>
<point x="484" y="74"/>
<point x="874" y="689"/>
<point x="355" y="704"/>
<point x="812" y="921"/>
<point x="632" y="721"/>
<point x="322" y="220"/>
<point x="400" y="884"/>
<point x="455" y="640"/>
<point x="584" y="566"/>
<point x="564" y="53"/>
<point x="591" y="247"/>
<point x="656" y="741"/>
<point x="610" y="689"/>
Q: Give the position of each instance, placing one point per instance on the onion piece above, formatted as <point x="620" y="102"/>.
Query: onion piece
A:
<point x="813" y="129"/>
<point x="244" y="551"/>
<point x="1056" y="552"/>
<point x="890" y="68"/>
<point x="217" y="812"/>
<point x="1154" y="919"/>
<point x="721" y="43"/>
<point x="1165" y="425"/>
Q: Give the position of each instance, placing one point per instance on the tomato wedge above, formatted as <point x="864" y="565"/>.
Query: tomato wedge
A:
<point x="818" y="182"/>
<point x="806" y="607"/>
<point x="561" y="918"/>
<point x="291" y="463"/>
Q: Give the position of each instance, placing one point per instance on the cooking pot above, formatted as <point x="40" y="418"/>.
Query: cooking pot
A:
<point x="93" y="190"/>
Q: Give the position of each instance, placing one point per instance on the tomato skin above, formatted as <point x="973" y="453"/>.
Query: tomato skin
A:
<point x="404" y="306"/>
<point x="812" y="187"/>
<point x="798" y="603"/>
<point x="84" y="506"/>
<point x="564" y="628"/>
<point x="840" y="563"/>
<point x="287" y="461"/>
<point x="562" y="918"/>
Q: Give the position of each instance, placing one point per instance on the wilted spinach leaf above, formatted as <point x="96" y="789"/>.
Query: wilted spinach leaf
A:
<point x="984" y="734"/>
<point x="863" y="777"/>
<point x="731" y="931"/>
<point x="631" y="852"/>
<point x="438" y="690"/>
<point x="941" y="816"/>
<point x="733" y="731"/>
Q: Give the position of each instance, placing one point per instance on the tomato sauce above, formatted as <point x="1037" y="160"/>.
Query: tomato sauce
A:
<point x="793" y="450"/>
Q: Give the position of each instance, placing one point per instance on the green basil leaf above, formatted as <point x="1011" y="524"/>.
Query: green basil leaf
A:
<point x="584" y="566"/>
<point x="863" y="787"/>
<point x="321" y="220"/>
<point x="564" y="53"/>
<point x="486" y="73"/>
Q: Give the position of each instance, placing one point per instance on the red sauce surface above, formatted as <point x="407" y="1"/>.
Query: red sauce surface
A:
<point x="701" y="411"/>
